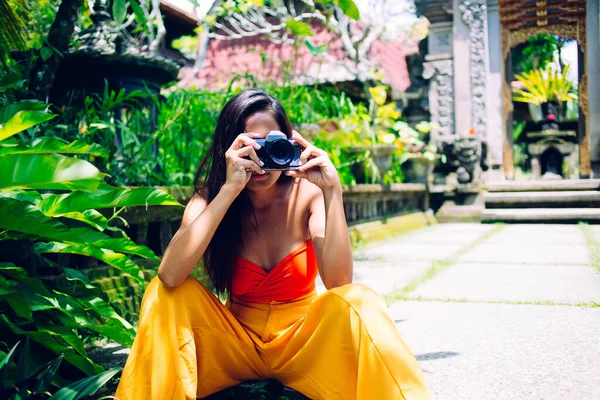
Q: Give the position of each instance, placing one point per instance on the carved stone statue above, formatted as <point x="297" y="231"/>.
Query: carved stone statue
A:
<point x="466" y="155"/>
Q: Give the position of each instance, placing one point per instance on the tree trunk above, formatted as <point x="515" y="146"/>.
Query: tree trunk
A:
<point x="42" y="77"/>
<point x="204" y="39"/>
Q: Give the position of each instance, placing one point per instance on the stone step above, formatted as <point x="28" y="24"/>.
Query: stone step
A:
<point x="450" y="212"/>
<point x="543" y="185"/>
<point x="541" y="215"/>
<point x="543" y="199"/>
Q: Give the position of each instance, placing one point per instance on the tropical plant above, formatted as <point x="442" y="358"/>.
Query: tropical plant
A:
<point x="365" y="134"/>
<point x="537" y="52"/>
<point x="23" y="385"/>
<point x="14" y="34"/>
<point x="168" y="153"/>
<point x="49" y="205"/>
<point x="414" y="141"/>
<point x="543" y="86"/>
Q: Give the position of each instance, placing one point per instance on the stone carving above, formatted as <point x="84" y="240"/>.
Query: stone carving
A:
<point x="441" y="41"/>
<point x="474" y="15"/>
<point x="435" y="10"/>
<point x="466" y="152"/>
<point x="467" y="155"/>
<point x="100" y="37"/>
<point x="442" y="96"/>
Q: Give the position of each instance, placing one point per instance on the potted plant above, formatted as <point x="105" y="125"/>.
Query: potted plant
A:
<point x="371" y="140"/>
<point x="548" y="89"/>
<point x="418" y="154"/>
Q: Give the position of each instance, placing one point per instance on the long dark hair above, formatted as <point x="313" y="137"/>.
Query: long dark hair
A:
<point x="226" y="244"/>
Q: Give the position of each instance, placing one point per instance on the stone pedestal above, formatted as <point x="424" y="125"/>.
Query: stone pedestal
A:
<point x="541" y="155"/>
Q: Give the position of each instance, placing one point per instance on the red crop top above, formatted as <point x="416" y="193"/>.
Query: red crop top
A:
<point x="292" y="278"/>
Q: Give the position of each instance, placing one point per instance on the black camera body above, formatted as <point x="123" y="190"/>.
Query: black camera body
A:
<point x="278" y="152"/>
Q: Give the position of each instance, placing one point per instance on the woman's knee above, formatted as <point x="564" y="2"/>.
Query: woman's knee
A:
<point x="156" y="288"/>
<point x="358" y="296"/>
<point x="355" y="292"/>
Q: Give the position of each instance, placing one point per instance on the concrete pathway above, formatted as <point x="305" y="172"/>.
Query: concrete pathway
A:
<point x="495" y="311"/>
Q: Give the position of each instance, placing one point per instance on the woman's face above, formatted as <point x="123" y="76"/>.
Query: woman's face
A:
<point x="258" y="126"/>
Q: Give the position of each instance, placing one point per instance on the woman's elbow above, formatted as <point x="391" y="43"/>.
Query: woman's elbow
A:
<point x="339" y="279"/>
<point x="168" y="278"/>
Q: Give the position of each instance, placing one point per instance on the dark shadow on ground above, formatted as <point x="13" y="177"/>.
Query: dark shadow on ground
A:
<point x="435" y="356"/>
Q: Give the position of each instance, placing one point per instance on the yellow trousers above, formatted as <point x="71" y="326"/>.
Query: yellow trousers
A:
<point x="338" y="345"/>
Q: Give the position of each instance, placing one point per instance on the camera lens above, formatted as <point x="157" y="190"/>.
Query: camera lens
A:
<point x="281" y="152"/>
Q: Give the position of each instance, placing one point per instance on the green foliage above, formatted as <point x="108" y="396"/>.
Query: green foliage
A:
<point x="119" y="11"/>
<point x="37" y="224"/>
<point x="168" y="154"/>
<point x="298" y="27"/>
<point x="187" y="45"/>
<point x="349" y="8"/>
<point x="536" y="53"/>
<point x="359" y="133"/>
<point x="84" y="387"/>
<point x="13" y="35"/>
<point x="15" y="118"/>
<point x="543" y="86"/>
<point x="23" y="385"/>
<point x="315" y="50"/>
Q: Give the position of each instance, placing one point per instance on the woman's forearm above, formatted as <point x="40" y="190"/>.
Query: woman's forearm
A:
<point x="187" y="248"/>
<point x="337" y="250"/>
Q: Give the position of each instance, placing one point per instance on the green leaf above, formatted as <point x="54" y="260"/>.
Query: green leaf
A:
<point x="46" y="53"/>
<point x="35" y="171"/>
<point x="58" y="345"/>
<point x="26" y="218"/>
<point x="105" y="310"/>
<point x="90" y="217"/>
<point x="6" y="362"/>
<point x="51" y="145"/>
<point x="46" y="377"/>
<point x="299" y="28"/>
<point x="60" y="204"/>
<point x="85" y="387"/>
<point x="99" y="316"/>
<point x="119" y="11"/>
<point x="349" y="8"/>
<point x="66" y="333"/>
<point x="125" y="245"/>
<point x="140" y="16"/>
<point x="30" y="196"/>
<point x="22" y="371"/>
<point x="8" y="111"/>
<point x="19" y="276"/>
<point x="117" y="260"/>
<point x="315" y="50"/>
<point x="18" y="303"/>
<point x="75" y="275"/>
<point x="12" y="81"/>
<point x="23" y="120"/>
<point x="93" y="314"/>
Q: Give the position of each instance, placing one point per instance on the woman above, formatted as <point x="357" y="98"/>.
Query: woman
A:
<point x="264" y="236"/>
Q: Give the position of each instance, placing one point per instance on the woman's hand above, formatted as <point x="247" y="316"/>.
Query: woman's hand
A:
<point x="239" y="169"/>
<point x="316" y="166"/>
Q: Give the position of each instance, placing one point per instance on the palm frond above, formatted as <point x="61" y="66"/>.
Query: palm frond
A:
<point x="544" y="85"/>
<point x="13" y="35"/>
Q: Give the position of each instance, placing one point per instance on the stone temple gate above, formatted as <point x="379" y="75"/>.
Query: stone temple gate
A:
<point x="469" y="71"/>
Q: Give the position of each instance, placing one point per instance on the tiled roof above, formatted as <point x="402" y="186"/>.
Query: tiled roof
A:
<point x="225" y="59"/>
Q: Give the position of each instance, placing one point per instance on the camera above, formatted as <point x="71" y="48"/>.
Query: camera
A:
<point x="278" y="152"/>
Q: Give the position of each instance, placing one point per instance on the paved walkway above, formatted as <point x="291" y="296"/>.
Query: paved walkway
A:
<point x="496" y="311"/>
